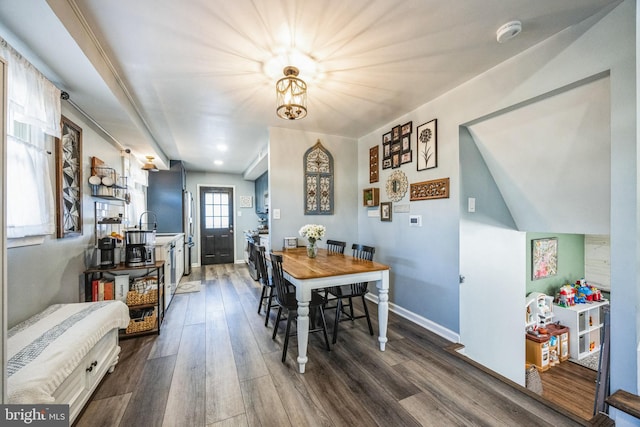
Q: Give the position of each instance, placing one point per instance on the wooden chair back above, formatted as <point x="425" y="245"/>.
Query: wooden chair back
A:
<point x="336" y="246"/>
<point x="278" y="280"/>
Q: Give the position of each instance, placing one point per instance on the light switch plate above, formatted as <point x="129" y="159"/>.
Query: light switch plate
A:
<point x="415" y="221"/>
<point x="472" y="204"/>
<point x="276" y="214"/>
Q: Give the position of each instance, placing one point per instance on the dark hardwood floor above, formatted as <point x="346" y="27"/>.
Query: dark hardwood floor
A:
<point x="215" y="364"/>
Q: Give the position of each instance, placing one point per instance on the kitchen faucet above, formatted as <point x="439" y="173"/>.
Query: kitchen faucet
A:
<point x="155" y="220"/>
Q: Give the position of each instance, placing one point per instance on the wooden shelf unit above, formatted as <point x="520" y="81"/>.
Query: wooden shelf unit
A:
<point x="371" y="197"/>
<point x="136" y="272"/>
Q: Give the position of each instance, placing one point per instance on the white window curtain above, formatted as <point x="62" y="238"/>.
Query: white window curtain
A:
<point x="33" y="112"/>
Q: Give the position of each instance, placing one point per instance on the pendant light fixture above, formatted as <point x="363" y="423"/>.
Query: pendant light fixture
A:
<point x="291" y="93"/>
<point x="149" y="166"/>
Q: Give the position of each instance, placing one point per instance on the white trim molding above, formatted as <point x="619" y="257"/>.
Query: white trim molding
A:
<point x="419" y="320"/>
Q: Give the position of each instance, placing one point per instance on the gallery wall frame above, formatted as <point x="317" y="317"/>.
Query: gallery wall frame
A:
<point x="69" y="180"/>
<point x="427" y="145"/>
<point x="544" y="258"/>
<point x="385" y="211"/>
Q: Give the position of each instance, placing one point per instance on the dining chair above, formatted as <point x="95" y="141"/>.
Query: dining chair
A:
<point x="286" y="300"/>
<point x="266" y="296"/>
<point x="336" y="246"/>
<point x="354" y="290"/>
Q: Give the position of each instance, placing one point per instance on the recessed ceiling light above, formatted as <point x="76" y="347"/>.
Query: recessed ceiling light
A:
<point x="217" y="162"/>
<point x="508" y="31"/>
<point x="222" y="147"/>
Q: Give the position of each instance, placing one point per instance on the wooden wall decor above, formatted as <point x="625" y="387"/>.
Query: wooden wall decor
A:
<point x="373" y="164"/>
<point x="434" y="189"/>
<point x="318" y="181"/>
<point x="69" y="180"/>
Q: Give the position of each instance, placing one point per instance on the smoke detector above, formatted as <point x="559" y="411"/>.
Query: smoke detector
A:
<point x="508" y="31"/>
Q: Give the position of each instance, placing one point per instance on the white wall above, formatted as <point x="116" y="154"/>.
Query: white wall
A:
<point x="286" y="191"/>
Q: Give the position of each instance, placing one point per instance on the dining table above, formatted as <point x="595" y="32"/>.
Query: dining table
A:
<point x="329" y="269"/>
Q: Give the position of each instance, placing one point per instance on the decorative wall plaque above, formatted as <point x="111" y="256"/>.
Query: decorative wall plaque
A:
<point x="373" y="164"/>
<point x="318" y="181"/>
<point x="435" y="189"/>
<point x="396" y="186"/>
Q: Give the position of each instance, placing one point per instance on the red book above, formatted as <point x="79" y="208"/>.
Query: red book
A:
<point x="94" y="290"/>
<point x="108" y="290"/>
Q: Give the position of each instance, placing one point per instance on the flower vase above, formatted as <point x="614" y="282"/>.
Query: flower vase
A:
<point x="312" y="249"/>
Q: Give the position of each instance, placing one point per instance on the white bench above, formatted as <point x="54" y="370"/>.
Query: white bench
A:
<point x="61" y="354"/>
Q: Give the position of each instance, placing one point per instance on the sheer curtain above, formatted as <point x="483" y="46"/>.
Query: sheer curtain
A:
<point x="33" y="113"/>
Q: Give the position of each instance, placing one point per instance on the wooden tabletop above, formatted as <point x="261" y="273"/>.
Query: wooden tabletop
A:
<point x="326" y="264"/>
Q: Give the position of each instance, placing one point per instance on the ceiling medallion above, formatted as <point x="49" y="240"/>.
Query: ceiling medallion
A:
<point x="291" y="93"/>
<point x="397" y="185"/>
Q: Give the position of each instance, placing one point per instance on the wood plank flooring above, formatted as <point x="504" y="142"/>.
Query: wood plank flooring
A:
<point x="215" y="364"/>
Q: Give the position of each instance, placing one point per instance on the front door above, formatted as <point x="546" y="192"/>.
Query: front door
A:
<point x="216" y="225"/>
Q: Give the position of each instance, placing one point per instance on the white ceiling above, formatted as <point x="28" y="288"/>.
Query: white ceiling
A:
<point x="179" y="79"/>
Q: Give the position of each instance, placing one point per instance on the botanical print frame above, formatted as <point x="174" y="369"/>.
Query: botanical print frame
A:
<point x="385" y="211"/>
<point x="544" y="258"/>
<point x="69" y="180"/>
<point x="427" y="145"/>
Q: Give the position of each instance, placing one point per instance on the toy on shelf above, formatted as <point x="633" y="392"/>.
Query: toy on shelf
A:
<point x="541" y="309"/>
<point x="578" y="293"/>
<point x="566" y="296"/>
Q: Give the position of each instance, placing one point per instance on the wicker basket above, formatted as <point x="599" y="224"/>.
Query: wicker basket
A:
<point x="136" y="298"/>
<point x="145" y="324"/>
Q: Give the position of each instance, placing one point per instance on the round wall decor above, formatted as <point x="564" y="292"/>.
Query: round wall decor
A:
<point x="397" y="186"/>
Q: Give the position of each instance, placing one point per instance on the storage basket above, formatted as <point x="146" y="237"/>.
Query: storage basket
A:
<point x="147" y="323"/>
<point x="137" y="298"/>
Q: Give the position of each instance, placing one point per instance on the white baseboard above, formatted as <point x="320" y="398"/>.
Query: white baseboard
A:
<point x="419" y="320"/>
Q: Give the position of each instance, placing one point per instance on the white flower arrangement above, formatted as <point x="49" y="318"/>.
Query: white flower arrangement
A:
<point x="312" y="232"/>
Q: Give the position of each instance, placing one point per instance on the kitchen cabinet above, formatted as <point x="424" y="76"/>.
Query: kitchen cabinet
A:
<point x="134" y="274"/>
<point x="169" y="249"/>
<point x="585" y="322"/>
<point x="262" y="193"/>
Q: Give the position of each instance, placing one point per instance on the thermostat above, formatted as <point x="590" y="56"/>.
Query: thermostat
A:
<point x="415" y="220"/>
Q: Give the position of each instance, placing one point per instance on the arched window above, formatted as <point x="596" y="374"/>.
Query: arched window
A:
<point x="318" y="181"/>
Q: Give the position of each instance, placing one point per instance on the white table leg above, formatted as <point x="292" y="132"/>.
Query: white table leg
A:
<point x="303" y="333"/>
<point x="383" y="309"/>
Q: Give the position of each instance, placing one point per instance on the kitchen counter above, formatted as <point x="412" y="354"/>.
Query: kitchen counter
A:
<point x="163" y="239"/>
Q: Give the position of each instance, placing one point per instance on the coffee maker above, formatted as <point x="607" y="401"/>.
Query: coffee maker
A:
<point x="107" y="246"/>
<point x="140" y="248"/>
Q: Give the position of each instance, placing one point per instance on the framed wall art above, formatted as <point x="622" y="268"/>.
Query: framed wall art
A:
<point x="406" y="129"/>
<point x="544" y="258"/>
<point x="69" y="180"/>
<point x="427" y="145"/>
<point x="386" y="138"/>
<point x="385" y="211"/>
<point x="395" y="133"/>
<point x="373" y="164"/>
<point x="405" y="158"/>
